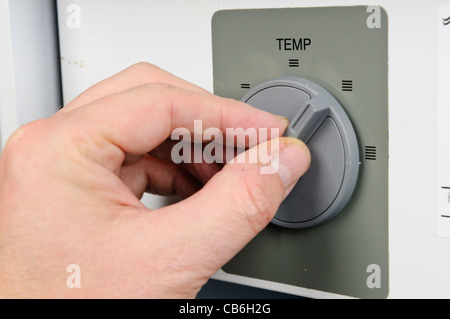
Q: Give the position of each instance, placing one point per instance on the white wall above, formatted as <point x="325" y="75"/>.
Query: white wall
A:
<point x="176" y="35"/>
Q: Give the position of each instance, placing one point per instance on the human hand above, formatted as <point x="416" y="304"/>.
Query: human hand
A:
<point x="70" y="189"/>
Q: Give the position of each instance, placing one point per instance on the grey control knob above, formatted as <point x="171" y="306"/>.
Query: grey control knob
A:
<point x="318" y="119"/>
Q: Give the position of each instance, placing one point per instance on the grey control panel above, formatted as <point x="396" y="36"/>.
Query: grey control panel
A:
<point x="318" y="119"/>
<point x="326" y="69"/>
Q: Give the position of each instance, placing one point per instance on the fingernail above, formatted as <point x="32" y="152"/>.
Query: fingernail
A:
<point x="285" y="121"/>
<point x="294" y="160"/>
<point x="284" y="118"/>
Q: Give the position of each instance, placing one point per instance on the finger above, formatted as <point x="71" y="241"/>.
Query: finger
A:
<point x="236" y="204"/>
<point x="158" y="177"/>
<point x="138" y="120"/>
<point x="135" y="75"/>
<point x="202" y="171"/>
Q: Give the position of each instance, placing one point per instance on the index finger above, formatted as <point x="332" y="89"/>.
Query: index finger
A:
<point x="136" y="75"/>
<point x="139" y="119"/>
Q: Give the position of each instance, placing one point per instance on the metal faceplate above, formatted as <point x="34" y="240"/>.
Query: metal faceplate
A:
<point x="344" y="51"/>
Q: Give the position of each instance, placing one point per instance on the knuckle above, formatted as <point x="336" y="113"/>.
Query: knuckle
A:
<point x="23" y="144"/>
<point x="26" y="135"/>
<point x="144" y="67"/>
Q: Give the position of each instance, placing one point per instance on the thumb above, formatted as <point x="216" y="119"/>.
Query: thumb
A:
<point x="237" y="203"/>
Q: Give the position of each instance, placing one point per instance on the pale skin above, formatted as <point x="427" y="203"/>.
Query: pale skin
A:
<point x="70" y="189"/>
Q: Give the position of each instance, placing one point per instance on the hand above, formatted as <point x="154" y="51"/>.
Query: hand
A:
<point x="70" y="189"/>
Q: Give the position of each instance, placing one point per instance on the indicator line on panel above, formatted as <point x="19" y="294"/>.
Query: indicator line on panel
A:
<point x="347" y="85"/>
<point x="445" y="216"/>
<point x="446" y="21"/>
<point x="445" y="187"/>
<point x="294" y="63"/>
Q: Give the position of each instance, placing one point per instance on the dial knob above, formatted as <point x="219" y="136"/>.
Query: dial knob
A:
<point x="318" y="119"/>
